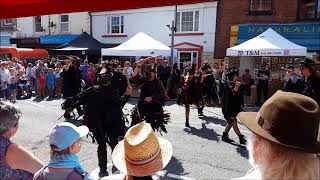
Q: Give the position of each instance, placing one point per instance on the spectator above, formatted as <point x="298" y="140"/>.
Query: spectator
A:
<point x="174" y="81"/>
<point x="5" y="80"/>
<point x="247" y="81"/>
<point x="15" y="161"/>
<point x="128" y="68"/>
<point x="13" y="85"/>
<point x="35" y="85"/>
<point x="58" y="74"/>
<point x="293" y="81"/>
<point x="84" y="70"/>
<point x="65" y="142"/>
<point x="262" y="86"/>
<point x="91" y="75"/>
<point x="30" y="75"/>
<point x="41" y="80"/>
<point x="52" y="63"/>
<point x="141" y="154"/>
<point x="50" y="80"/>
<point x="285" y="142"/>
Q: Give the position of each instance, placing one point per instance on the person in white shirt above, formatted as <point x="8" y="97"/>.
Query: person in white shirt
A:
<point x="5" y="80"/>
<point x="128" y="68"/>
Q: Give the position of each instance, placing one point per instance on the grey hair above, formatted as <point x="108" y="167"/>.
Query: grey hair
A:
<point x="9" y="116"/>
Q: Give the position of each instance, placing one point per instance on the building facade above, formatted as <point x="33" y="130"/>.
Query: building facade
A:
<point x="195" y="28"/>
<point x="49" y="31"/>
<point x="7" y="27"/>
<point x="281" y="15"/>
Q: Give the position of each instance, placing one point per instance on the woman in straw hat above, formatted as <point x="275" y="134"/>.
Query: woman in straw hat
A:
<point x="284" y="144"/>
<point x="141" y="154"/>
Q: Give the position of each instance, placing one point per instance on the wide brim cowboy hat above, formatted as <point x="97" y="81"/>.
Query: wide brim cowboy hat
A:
<point x="288" y="119"/>
<point x="154" y="162"/>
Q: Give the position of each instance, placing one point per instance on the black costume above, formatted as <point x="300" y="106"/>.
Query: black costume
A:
<point x="232" y="101"/>
<point x="312" y="86"/>
<point x="71" y="86"/>
<point x="152" y="112"/>
<point x="103" y="112"/>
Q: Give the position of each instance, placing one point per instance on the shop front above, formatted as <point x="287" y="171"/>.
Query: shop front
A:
<point x="188" y="52"/>
<point x="271" y="49"/>
<point x="25" y="42"/>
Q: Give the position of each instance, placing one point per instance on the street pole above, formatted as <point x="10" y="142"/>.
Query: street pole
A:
<point x="173" y="30"/>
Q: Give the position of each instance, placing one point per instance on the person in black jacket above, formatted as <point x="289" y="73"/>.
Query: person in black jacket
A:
<point x="311" y="79"/>
<point x="232" y="104"/>
<point x="151" y="99"/>
<point x="71" y="83"/>
<point x="103" y="114"/>
<point x="293" y="81"/>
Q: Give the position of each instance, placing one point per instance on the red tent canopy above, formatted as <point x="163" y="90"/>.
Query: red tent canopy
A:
<point x="23" y="8"/>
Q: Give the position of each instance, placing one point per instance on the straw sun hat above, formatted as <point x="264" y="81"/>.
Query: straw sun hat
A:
<point x="141" y="153"/>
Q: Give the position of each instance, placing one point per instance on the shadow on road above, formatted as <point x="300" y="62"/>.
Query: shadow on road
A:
<point x="174" y="167"/>
<point x="214" y="120"/>
<point x="243" y="151"/>
<point x="204" y="132"/>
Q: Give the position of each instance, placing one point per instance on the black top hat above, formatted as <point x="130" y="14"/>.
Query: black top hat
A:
<point x="307" y="62"/>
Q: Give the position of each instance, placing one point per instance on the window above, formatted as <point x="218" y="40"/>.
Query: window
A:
<point x="37" y="24"/>
<point x="8" y="22"/>
<point x="64" y="23"/>
<point x="115" y="24"/>
<point x="309" y="10"/>
<point x="260" y="7"/>
<point x="187" y="21"/>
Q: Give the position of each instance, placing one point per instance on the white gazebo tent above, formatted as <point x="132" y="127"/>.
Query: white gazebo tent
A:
<point x="269" y="43"/>
<point x="139" y="45"/>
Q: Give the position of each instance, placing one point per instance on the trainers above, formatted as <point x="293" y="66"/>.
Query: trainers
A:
<point x="242" y="139"/>
<point x="225" y="138"/>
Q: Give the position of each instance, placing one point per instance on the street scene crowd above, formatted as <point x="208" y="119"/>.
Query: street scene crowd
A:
<point x="284" y="144"/>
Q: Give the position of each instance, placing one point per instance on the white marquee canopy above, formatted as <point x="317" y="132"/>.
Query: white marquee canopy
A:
<point x="269" y="43"/>
<point x="139" y="45"/>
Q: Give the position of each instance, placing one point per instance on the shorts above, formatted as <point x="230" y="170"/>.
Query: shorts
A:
<point x="50" y="87"/>
<point x="13" y="86"/>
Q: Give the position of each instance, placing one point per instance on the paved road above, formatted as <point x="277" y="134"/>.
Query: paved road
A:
<point x="198" y="153"/>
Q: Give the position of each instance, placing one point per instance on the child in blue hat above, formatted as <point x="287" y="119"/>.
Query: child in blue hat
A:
<point x="65" y="142"/>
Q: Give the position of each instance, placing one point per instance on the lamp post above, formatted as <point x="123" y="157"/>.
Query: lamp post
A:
<point x="173" y="30"/>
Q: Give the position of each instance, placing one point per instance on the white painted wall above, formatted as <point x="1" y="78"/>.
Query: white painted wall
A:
<point x="78" y="22"/>
<point x="153" y="21"/>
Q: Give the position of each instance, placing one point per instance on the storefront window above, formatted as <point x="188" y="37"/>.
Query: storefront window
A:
<point x="260" y="7"/>
<point x="309" y="9"/>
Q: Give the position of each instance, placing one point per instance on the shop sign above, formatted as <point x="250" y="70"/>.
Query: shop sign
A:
<point x="311" y="30"/>
<point x="264" y="53"/>
<point x="24" y="40"/>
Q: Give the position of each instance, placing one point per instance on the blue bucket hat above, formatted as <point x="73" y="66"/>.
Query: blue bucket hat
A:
<point x="63" y="135"/>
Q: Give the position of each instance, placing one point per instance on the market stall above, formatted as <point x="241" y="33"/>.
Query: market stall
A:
<point x="271" y="49"/>
<point x="84" y="46"/>
<point x="139" y="45"/>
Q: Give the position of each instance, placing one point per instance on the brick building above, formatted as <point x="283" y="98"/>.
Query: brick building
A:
<point x="233" y="13"/>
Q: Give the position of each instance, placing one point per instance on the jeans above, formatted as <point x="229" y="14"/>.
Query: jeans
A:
<point x="262" y="88"/>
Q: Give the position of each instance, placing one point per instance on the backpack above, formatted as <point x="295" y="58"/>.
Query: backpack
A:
<point x="76" y="174"/>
